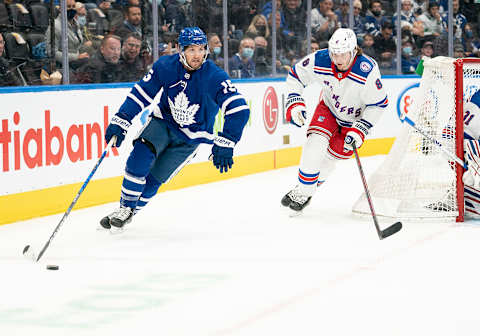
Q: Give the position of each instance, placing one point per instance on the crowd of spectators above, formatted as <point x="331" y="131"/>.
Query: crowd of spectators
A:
<point x="112" y="40"/>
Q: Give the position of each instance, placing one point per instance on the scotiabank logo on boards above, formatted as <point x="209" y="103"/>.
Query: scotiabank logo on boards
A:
<point x="51" y="143"/>
<point x="270" y="110"/>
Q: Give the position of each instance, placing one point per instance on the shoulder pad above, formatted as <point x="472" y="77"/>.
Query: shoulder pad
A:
<point x="364" y="65"/>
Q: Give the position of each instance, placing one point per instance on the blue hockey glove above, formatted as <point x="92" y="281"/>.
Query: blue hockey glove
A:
<point x="118" y="127"/>
<point x="222" y="152"/>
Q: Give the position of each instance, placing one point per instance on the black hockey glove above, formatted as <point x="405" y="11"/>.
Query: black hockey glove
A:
<point x="118" y="127"/>
<point x="222" y="152"/>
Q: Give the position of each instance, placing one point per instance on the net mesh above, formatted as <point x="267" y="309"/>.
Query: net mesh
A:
<point x="417" y="181"/>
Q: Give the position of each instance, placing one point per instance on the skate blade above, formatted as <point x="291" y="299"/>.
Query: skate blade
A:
<point x="294" y="213"/>
<point x="116" y="230"/>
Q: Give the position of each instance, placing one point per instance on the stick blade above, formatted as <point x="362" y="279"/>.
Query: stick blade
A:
<point x="28" y="253"/>
<point x="394" y="228"/>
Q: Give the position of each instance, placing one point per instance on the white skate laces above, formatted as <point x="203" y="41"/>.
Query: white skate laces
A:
<point x="122" y="214"/>
<point x="296" y="196"/>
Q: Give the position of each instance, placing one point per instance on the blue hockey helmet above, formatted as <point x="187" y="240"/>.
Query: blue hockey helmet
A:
<point x="189" y="36"/>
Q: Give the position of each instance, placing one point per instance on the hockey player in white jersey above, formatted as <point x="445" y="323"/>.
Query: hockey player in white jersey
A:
<point x="471" y="177"/>
<point x="194" y="89"/>
<point x="352" y="101"/>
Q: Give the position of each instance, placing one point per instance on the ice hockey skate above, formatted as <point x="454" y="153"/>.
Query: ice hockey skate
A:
<point x="116" y="221"/>
<point x="295" y="200"/>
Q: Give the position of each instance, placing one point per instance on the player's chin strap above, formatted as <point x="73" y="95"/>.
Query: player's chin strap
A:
<point x="183" y="59"/>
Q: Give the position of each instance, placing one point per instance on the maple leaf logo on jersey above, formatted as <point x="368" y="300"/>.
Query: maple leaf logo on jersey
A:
<point x="183" y="114"/>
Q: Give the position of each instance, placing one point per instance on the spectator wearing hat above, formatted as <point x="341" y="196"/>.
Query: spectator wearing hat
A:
<point x="432" y="21"/>
<point x="458" y="50"/>
<point x="427" y="50"/>
<point x="165" y="49"/>
<point x="358" y="20"/>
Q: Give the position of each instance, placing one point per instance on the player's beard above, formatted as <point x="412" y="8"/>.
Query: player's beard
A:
<point x="195" y="64"/>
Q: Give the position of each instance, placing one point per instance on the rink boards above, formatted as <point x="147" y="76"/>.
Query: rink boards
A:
<point x="51" y="137"/>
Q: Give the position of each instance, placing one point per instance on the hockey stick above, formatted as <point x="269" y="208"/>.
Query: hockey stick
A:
<point x="392" y="229"/>
<point x="27" y="251"/>
<point x="435" y="141"/>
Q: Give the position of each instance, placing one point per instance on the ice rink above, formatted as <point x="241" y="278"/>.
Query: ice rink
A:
<point x="226" y="259"/>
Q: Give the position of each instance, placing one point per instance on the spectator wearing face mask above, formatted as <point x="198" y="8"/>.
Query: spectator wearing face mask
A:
<point x="409" y="60"/>
<point x="90" y="41"/>
<point x="263" y="67"/>
<point x="374" y="19"/>
<point x="258" y="27"/>
<point x="471" y="41"/>
<point x="81" y="14"/>
<point x="215" y="49"/>
<point x="76" y="57"/>
<point x="241" y="65"/>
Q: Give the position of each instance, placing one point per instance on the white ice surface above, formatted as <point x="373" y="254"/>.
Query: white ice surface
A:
<point x="226" y="259"/>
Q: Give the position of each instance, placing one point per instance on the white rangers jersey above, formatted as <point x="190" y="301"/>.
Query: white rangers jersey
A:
<point x="471" y="117"/>
<point x="355" y="97"/>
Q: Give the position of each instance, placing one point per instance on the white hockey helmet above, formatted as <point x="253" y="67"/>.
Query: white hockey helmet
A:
<point x="342" y="41"/>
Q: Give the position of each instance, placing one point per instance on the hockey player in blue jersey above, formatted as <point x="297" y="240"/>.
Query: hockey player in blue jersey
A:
<point x="194" y="89"/>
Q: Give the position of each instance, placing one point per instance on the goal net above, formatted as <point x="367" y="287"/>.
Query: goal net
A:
<point x="417" y="181"/>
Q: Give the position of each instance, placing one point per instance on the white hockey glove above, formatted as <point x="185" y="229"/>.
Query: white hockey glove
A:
<point x="471" y="177"/>
<point x="353" y="136"/>
<point x="296" y="110"/>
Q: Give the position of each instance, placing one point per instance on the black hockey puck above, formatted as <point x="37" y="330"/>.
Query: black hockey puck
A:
<point x="52" y="267"/>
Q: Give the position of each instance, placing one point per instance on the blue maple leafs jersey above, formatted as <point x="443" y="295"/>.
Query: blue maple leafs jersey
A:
<point x="189" y="100"/>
